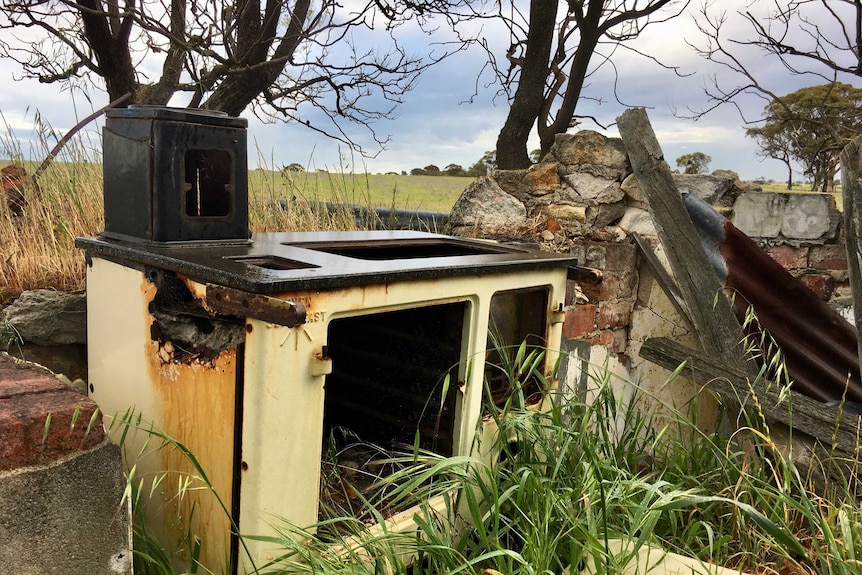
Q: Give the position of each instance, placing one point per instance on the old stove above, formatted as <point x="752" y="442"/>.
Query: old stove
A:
<point x="254" y="350"/>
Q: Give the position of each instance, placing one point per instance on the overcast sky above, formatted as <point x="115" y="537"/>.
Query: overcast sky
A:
<point x="436" y="125"/>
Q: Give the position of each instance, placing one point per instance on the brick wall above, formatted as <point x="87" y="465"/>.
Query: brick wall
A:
<point x="604" y="319"/>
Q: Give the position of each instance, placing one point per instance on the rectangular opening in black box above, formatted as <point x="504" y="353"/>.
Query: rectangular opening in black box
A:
<point x="207" y="183"/>
<point x="386" y="388"/>
<point x="382" y="250"/>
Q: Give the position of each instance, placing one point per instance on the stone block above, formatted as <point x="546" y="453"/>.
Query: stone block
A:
<point x="591" y="148"/>
<point x="542" y="179"/>
<point x="484" y="209"/>
<point x="828" y="257"/>
<point x="615" y="314"/>
<point x="821" y="284"/>
<point x="601" y="215"/>
<point x="789" y="257"/>
<point x="709" y="188"/>
<point x="805" y="217"/>
<point x="566" y="213"/>
<point x="638" y="221"/>
<point x="580" y="321"/>
<point x="759" y="215"/>
<point x="589" y="187"/>
<point x="48" y="317"/>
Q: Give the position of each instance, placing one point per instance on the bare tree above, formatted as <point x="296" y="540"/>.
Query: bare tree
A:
<point x="820" y="39"/>
<point x="550" y="59"/>
<point x="278" y="56"/>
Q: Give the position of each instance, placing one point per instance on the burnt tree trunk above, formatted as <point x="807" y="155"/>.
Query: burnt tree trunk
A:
<point x="529" y="97"/>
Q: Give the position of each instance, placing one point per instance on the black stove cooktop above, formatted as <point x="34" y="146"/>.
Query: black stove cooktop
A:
<point x="279" y="262"/>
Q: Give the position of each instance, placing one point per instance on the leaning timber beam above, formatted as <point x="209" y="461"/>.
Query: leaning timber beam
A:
<point x="760" y="397"/>
<point x="709" y="309"/>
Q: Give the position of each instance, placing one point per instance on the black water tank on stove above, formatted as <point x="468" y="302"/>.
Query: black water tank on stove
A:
<point x="175" y="175"/>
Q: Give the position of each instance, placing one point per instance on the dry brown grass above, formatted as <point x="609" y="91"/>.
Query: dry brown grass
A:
<point x="38" y="246"/>
<point x="37" y="249"/>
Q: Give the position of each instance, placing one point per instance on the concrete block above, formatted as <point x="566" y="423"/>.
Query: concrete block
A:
<point x="805" y="217"/>
<point x="759" y="214"/>
<point x="66" y="517"/>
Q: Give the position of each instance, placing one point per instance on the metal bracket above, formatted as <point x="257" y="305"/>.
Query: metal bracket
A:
<point x="244" y="304"/>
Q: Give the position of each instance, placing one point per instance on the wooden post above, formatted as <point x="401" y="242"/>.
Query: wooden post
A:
<point x="851" y="171"/>
<point x="709" y="309"/>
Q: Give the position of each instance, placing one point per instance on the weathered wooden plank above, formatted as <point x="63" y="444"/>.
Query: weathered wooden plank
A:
<point x="732" y="385"/>
<point x="709" y="310"/>
<point x="851" y="185"/>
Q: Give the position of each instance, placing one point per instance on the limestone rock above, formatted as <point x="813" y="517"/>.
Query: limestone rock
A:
<point x="512" y="182"/>
<point x="593" y="153"/>
<point x="632" y="189"/>
<point x="566" y="212"/>
<point x="738" y="184"/>
<point x="47" y="317"/>
<point x="636" y="220"/>
<point x="601" y="215"/>
<point x="590" y="187"/>
<point x="542" y="179"/>
<point x="709" y="188"/>
<point x="485" y="209"/>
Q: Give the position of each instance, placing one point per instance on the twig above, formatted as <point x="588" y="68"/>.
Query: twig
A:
<point x="65" y="139"/>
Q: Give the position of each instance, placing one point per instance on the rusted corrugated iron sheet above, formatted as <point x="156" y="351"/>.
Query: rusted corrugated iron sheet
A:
<point x="819" y="346"/>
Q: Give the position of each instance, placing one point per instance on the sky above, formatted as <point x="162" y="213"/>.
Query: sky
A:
<point x="442" y="122"/>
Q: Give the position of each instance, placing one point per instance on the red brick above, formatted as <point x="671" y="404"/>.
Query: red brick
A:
<point x="828" y="257"/>
<point x="789" y="257"/>
<point x="614" y="285"/>
<point x="26" y="399"/>
<point x="615" y="314"/>
<point x="580" y="321"/>
<point x="603" y="338"/>
<point x="820" y="284"/>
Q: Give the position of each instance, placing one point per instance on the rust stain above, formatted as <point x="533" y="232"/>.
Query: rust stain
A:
<point x="194" y="403"/>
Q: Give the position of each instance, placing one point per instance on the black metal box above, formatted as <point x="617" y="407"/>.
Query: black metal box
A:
<point x="175" y="175"/>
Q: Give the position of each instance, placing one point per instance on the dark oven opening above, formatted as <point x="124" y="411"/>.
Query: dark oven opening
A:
<point x="385" y="395"/>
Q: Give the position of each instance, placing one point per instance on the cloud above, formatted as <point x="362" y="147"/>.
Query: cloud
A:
<point x="435" y="125"/>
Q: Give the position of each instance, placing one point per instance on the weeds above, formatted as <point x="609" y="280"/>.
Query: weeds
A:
<point x="581" y="484"/>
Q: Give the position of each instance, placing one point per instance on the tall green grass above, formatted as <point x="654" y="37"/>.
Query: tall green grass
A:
<point x="575" y="476"/>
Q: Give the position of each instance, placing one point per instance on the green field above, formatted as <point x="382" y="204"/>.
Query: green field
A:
<point x="430" y="193"/>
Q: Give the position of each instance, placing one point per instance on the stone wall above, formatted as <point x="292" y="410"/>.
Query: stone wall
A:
<point x="583" y="199"/>
<point x="803" y="233"/>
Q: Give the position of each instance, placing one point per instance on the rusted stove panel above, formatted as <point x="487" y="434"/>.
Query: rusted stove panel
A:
<point x="137" y="371"/>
